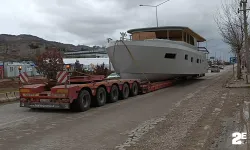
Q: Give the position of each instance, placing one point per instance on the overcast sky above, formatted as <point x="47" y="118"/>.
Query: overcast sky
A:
<point x="91" y="22"/>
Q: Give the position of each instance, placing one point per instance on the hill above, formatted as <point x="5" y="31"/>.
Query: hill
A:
<point x="23" y="46"/>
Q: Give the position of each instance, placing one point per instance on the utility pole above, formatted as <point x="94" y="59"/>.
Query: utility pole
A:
<point x="246" y="34"/>
<point x="243" y="4"/>
<point x="156" y="16"/>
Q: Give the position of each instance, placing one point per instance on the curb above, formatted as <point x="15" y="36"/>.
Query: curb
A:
<point x="233" y="86"/>
<point x="3" y="97"/>
<point x="238" y="87"/>
<point x="17" y="95"/>
<point x="9" y="97"/>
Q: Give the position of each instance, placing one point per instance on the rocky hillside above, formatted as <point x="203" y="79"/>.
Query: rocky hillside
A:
<point x="23" y="47"/>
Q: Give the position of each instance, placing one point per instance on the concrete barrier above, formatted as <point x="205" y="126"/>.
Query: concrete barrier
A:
<point x="17" y="95"/>
<point x="11" y="96"/>
<point x="3" y="97"/>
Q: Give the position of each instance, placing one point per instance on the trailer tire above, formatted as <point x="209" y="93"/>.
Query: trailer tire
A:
<point x="101" y="97"/>
<point x="114" y="94"/>
<point x="135" y="89"/>
<point x="125" y="91"/>
<point x="82" y="103"/>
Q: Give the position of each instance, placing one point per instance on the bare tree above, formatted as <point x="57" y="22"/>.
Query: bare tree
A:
<point x="230" y="25"/>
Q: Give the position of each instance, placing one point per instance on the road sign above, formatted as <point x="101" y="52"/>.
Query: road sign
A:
<point x="233" y="60"/>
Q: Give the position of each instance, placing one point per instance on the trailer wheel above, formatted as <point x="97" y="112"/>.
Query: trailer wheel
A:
<point x="134" y="89"/>
<point x="114" y="94"/>
<point x="101" y="96"/>
<point x="125" y="91"/>
<point x="82" y="103"/>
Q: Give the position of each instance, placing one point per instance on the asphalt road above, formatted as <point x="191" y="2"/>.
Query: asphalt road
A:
<point x="103" y="128"/>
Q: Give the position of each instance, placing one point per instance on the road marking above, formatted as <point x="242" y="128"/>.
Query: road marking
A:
<point x="190" y="95"/>
<point x="137" y="133"/>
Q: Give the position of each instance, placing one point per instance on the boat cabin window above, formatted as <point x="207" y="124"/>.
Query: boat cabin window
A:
<point x="192" y="59"/>
<point x="191" y="40"/>
<point x="197" y="61"/>
<point x="186" y="57"/>
<point x="170" y="55"/>
<point x="174" y="35"/>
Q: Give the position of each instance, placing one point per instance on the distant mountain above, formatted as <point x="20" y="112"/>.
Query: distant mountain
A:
<point x="23" y="46"/>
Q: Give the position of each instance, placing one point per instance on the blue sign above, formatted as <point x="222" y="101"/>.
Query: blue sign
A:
<point x="33" y="64"/>
<point x="233" y="60"/>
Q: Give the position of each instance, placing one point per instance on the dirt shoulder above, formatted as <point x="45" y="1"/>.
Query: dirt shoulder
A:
<point x="204" y="120"/>
<point x="8" y="86"/>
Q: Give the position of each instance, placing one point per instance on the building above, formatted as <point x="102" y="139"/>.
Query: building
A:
<point x="88" y="63"/>
<point x="99" y="53"/>
<point x="11" y="69"/>
<point x="1" y="70"/>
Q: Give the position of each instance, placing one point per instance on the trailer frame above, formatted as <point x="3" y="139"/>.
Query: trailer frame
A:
<point x="97" y="90"/>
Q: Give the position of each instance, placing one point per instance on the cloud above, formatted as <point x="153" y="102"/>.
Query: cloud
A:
<point x="90" y="22"/>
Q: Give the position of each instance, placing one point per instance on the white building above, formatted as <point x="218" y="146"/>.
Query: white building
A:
<point x="88" y="61"/>
<point x="11" y="69"/>
<point x="99" y="53"/>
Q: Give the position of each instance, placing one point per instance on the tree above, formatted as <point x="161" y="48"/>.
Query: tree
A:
<point x="49" y="63"/>
<point x="209" y="63"/>
<point x="101" y="70"/>
<point x="33" y="46"/>
<point x="230" y="25"/>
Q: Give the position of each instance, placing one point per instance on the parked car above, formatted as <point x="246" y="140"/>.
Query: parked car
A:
<point x="113" y="75"/>
<point x="215" y="68"/>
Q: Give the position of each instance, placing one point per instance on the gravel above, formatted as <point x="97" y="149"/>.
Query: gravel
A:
<point x="176" y="129"/>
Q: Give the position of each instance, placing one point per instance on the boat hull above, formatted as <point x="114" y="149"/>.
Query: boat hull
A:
<point x="146" y="60"/>
<point x="149" y="77"/>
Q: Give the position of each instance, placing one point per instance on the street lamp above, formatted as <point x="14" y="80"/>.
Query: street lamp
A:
<point x="155" y="9"/>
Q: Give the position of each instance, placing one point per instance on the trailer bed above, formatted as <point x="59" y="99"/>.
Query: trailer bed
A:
<point x="80" y="93"/>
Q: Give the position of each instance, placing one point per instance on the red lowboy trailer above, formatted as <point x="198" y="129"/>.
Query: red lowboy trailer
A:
<point x="79" y="93"/>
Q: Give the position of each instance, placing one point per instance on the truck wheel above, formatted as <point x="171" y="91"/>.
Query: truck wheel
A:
<point x="82" y="103"/>
<point x="125" y="91"/>
<point x="135" y="89"/>
<point x="114" y="94"/>
<point x="101" y="96"/>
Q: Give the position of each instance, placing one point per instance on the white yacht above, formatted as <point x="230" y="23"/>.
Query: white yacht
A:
<point x="158" y="53"/>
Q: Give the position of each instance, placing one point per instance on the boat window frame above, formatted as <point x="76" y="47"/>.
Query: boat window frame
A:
<point x="172" y="55"/>
<point x="197" y="61"/>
